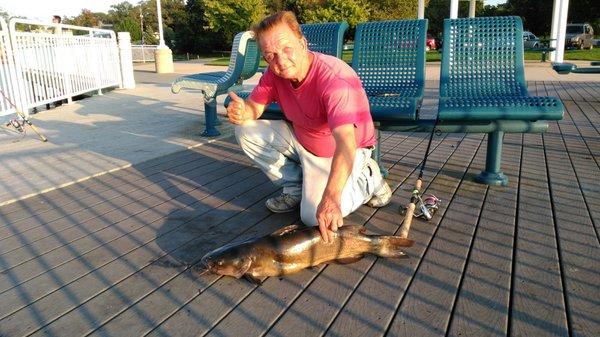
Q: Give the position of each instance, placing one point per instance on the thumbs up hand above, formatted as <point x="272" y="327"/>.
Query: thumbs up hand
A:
<point x="236" y="110"/>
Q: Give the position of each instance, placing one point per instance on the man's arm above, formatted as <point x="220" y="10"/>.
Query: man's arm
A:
<point x="329" y="213"/>
<point x="240" y="110"/>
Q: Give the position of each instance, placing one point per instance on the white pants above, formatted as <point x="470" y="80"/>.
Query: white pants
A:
<point x="272" y="145"/>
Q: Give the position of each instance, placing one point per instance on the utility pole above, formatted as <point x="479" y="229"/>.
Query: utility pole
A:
<point x="162" y="55"/>
<point x="142" y="24"/>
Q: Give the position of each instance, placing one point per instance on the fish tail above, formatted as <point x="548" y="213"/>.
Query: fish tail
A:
<point x="390" y="246"/>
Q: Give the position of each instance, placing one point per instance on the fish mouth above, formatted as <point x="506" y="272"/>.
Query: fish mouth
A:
<point x="205" y="266"/>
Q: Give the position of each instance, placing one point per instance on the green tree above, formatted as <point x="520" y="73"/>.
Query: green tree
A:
<point x="436" y="11"/>
<point x="128" y="24"/>
<point x="228" y="17"/>
<point x="86" y="19"/>
<point x="536" y="14"/>
<point x="122" y="11"/>
<point x="351" y="11"/>
<point x="394" y="9"/>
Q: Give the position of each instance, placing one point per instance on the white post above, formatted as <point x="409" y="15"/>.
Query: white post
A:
<point x="472" y="5"/>
<point x="126" y="59"/>
<point x="163" y="57"/>
<point x="453" y="9"/>
<point x="161" y="42"/>
<point x="421" y="10"/>
<point x="562" y="30"/>
<point x="554" y="30"/>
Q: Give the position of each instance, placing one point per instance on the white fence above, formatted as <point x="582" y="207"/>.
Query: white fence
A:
<point x="7" y="71"/>
<point x="44" y="63"/>
<point x="143" y="52"/>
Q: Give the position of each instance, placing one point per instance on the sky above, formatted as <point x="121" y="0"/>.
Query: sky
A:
<point x="44" y="9"/>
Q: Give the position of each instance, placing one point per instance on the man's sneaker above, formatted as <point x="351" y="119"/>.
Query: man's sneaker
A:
<point x="382" y="195"/>
<point x="283" y="203"/>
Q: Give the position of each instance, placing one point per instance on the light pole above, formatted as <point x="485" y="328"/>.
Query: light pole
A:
<point x="142" y="24"/>
<point x="161" y="41"/>
<point x="163" y="56"/>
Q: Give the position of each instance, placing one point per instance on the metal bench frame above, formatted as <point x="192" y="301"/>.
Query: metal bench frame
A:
<point x="245" y="57"/>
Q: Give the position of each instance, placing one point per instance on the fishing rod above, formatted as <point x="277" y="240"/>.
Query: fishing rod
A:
<point x="19" y="125"/>
<point x="426" y="206"/>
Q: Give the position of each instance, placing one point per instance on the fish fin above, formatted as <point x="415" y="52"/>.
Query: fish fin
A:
<point x="285" y="230"/>
<point x="254" y="280"/>
<point x="244" y="268"/>
<point x="349" y="259"/>
<point x="391" y="246"/>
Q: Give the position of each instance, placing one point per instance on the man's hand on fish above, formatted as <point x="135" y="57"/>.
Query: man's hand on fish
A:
<point x="236" y="109"/>
<point x="329" y="218"/>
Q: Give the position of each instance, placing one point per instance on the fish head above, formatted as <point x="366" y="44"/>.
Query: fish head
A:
<point x="227" y="262"/>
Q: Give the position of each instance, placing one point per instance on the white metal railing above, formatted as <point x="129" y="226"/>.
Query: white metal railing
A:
<point x="143" y="52"/>
<point x="7" y="72"/>
<point x="51" y="62"/>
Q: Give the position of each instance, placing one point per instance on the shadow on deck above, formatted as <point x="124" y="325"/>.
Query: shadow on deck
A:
<point x="110" y="256"/>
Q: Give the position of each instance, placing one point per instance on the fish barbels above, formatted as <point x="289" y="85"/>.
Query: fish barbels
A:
<point x="295" y="247"/>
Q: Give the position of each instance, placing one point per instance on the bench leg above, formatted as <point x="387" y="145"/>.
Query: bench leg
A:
<point x="493" y="158"/>
<point x="210" y="115"/>
<point x="376" y="155"/>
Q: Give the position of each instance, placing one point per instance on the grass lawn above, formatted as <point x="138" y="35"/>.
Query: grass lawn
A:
<point x="432" y="56"/>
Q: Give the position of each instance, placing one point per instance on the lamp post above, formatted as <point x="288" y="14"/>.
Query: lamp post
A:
<point x="142" y="24"/>
<point x="163" y="56"/>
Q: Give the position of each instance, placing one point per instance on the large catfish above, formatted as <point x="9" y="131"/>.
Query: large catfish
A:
<point x="293" y="248"/>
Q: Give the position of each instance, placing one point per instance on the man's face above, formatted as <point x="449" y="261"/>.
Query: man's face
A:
<point x="284" y="51"/>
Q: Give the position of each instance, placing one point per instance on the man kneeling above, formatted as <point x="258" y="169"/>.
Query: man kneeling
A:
<point x="321" y="154"/>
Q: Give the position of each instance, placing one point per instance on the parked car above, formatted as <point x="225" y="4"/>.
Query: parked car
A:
<point x="530" y="41"/>
<point x="579" y="35"/>
<point x="430" y="43"/>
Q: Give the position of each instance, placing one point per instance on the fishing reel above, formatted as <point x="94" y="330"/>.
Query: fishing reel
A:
<point x="18" y="125"/>
<point x="425" y="207"/>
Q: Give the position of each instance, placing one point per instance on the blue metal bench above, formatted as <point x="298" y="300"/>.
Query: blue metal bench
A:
<point x="243" y="64"/>
<point x="564" y="68"/>
<point x="389" y="58"/>
<point x="483" y="88"/>
<point x="326" y="38"/>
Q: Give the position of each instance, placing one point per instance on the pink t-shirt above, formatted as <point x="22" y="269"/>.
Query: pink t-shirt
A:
<point x="331" y="95"/>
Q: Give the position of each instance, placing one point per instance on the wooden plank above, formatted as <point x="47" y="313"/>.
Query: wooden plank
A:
<point x="102" y="183"/>
<point x="76" y="196"/>
<point x="444" y="249"/>
<point x="216" y="299"/>
<point x="594" y="89"/>
<point x="371" y="306"/>
<point x="74" y="288"/>
<point x="482" y="305"/>
<point x="584" y="162"/>
<point x="83" y="238"/>
<point x="538" y="307"/>
<point x="570" y="90"/>
<point x="577" y="240"/>
<point x="586" y="95"/>
<point x="95" y="248"/>
<point x="321" y="303"/>
<point x="34" y="231"/>
<point x="131" y="299"/>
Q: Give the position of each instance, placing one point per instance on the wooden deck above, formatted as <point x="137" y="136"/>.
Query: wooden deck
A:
<point x="109" y="256"/>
